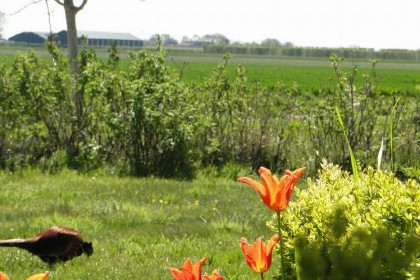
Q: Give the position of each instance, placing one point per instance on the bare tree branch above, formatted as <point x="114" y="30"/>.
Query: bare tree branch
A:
<point x="49" y="16"/>
<point x="58" y="1"/>
<point x="69" y="3"/>
<point x="24" y="7"/>
<point x="81" y="5"/>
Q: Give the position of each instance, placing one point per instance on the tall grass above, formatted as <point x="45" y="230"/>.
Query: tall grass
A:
<point x="391" y="132"/>
<point x="380" y="153"/>
<point x="352" y="157"/>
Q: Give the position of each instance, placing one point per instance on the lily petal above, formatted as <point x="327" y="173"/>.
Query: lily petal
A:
<point x="197" y="268"/>
<point x="275" y="193"/>
<point x="272" y="188"/>
<point x="296" y="174"/>
<point x="214" y="276"/>
<point x="270" y="245"/>
<point x="260" y="256"/>
<point x="189" y="271"/>
<point x="3" y="276"/>
<point x="40" y="276"/>
<point x="177" y="274"/>
<point x="261" y="189"/>
<point x="265" y="171"/>
<point x="188" y="264"/>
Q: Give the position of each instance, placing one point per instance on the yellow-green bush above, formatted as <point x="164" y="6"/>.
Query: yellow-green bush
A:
<point x="340" y="229"/>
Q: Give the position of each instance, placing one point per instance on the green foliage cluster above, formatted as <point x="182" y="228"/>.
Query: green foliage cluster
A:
<point x="339" y="228"/>
<point x="138" y="120"/>
<point x="146" y="121"/>
<point x="367" y="117"/>
<point x="240" y="123"/>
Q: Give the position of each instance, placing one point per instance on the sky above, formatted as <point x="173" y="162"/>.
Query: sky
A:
<point x="378" y="24"/>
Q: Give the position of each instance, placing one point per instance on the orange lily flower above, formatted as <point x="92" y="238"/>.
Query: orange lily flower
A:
<point x="214" y="276"/>
<point x="275" y="193"/>
<point x="40" y="276"/>
<point x="189" y="271"/>
<point x="259" y="256"/>
<point x="3" y="276"/>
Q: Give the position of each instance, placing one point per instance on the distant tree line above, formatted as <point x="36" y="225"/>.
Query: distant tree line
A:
<point x="220" y="44"/>
<point x="194" y="41"/>
<point x="353" y="53"/>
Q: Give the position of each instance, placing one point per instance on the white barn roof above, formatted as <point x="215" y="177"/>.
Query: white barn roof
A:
<point x="106" y="35"/>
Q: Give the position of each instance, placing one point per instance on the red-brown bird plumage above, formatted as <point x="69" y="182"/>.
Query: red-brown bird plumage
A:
<point x="53" y="245"/>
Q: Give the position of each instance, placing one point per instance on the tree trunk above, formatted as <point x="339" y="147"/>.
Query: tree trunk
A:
<point x="77" y="134"/>
<point x="71" y="10"/>
<point x="71" y="36"/>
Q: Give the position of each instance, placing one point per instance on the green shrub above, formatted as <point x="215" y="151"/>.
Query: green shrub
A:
<point x="56" y="163"/>
<point x="163" y="118"/>
<point x="229" y="171"/>
<point x="340" y="229"/>
<point x="147" y="121"/>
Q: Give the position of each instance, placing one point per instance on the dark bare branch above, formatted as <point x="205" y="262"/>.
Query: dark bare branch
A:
<point x="58" y="1"/>
<point x="70" y="4"/>
<point x="49" y="16"/>
<point x="81" y="5"/>
<point x="24" y="7"/>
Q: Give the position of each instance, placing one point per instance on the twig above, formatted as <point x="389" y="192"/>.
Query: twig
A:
<point x="49" y="18"/>
<point x="24" y="7"/>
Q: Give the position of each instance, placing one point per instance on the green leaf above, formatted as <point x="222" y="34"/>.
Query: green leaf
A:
<point x="352" y="157"/>
<point x="381" y="149"/>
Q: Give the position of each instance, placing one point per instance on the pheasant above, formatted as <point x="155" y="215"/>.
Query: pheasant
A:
<point x="53" y="245"/>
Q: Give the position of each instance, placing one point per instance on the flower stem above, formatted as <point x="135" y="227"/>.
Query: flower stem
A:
<point x="282" y="268"/>
<point x="262" y="276"/>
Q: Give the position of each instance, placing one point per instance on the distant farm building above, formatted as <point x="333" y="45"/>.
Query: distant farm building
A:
<point x="93" y="38"/>
<point x="30" y="37"/>
<point x="103" y="38"/>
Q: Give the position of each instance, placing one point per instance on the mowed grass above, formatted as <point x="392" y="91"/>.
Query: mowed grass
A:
<point x="139" y="227"/>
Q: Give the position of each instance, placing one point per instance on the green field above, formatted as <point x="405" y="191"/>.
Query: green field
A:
<point x="309" y="74"/>
<point x="139" y="227"/>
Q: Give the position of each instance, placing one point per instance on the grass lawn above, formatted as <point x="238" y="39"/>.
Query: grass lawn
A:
<point x="139" y="227"/>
